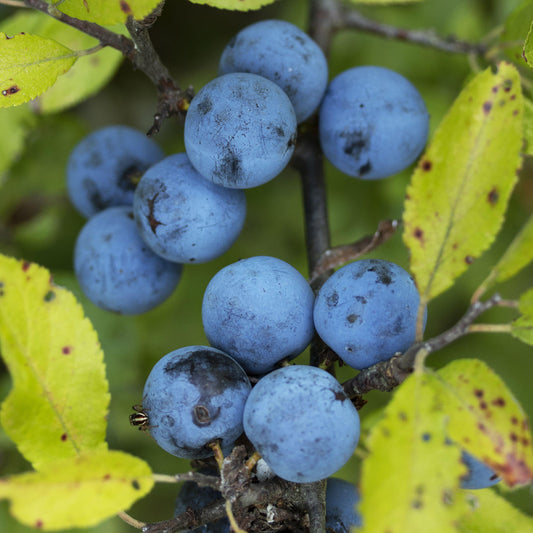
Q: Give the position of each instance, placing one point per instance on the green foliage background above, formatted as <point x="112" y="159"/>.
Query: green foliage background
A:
<point x="38" y="224"/>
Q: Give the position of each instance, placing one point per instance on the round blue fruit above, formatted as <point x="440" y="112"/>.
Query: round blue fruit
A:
<point x="284" y="54"/>
<point x="115" y="268"/>
<point x="260" y="311"/>
<point x="479" y="475"/>
<point x="373" y="122"/>
<point x="195" y="396"/>
<point x="240" y="130"/>
<point x="302" y="423"/>
<point x="192" y="496"/>
<point x="105" y="167"/>
<point x="342" y="498"/>
<point x="366" y="312"/>
<point x="182" y="216"/>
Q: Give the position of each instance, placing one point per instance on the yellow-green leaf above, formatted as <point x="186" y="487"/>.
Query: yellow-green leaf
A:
<point x="517" y="256"/>
<point x="77" y="492"/>
<point x="87" y="75"/>
<point x="107" y="12"/>
<point x="411" y="478"/>
<point x="493" y="514"/>
<point x="486" y="420"/>
<point x="235" y="5"/>
<point x="459" y="192"/>
<point x="29" y="64"/>
<point x="18" y="121"/>
<point x="58" y="404"/>
<point x="522" y="328"/>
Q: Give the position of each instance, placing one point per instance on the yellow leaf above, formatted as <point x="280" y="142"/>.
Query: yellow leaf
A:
<point x="29" y="64"/>
<point x="459" y="192"/>
<point x="58" y="404"/>
<point x="486" y="420"/>
<point x="77" y="492"/>
<point x="411" y="478"/>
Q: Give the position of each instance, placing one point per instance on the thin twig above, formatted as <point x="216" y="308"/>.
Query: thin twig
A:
<point x="340" y="255"/>
<point x="387" y="375"/>
<point x="130" y="520"/>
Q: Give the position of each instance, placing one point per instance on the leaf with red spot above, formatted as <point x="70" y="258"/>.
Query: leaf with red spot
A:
<point x="486" y="420"/>
<point x="30" y="64"/>
<point x="410" y="479"/>
<point x="107" y="12"/>
<point x="79" y="491"/>
<point x="58" y="405"/>
<point x="522" y="328"/>
<point x="517" y="256"/>
<point x="459" y="192"/>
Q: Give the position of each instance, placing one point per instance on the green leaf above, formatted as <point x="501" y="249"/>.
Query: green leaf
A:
<point x="410" y="480"/>
<point x="18" y="121"/>
<point x="56" y="364"/>
<point x="235" y="5"/>
<point x="493" y="514"/>
<point x="29" y="64"/>
<point x="516" y="31"/>
<point x="486" y="420"/>
<point x="89" y="74"/>
<point x="79" y="491"/>
<point x="522" y="328"/>
<point x="517" y="256"/>
<point x="463" y="182"/>
<point x="107" y="12"/>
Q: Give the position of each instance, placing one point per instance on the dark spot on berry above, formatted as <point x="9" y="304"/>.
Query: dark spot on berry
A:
<point x="493" y="477"/>
<point x="365" y="169"/>
<point x="49" y="296"/>
<point x="333" y="299"/>
<point x="354" y="143"/>
<point x="493" y="196"/>
<point x="361" y="299"/>
<point x="151" y="218"/>
<point x="382" y="272"/>
<point x="487" y="106"/>
<point x="129" y="178"/>
<point x="352" y="318"/>
<point x="230" y="169"/>
<point x="205" y="106"/>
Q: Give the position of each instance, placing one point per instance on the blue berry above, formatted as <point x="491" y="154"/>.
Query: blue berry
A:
<point x="366" y="312"/>
<point x="193" y="397"/>
<point x="479" y="475"/>
<point x="341" y="500"/>
<point x="192" y="496"/>
<point x="284" y="54"/>
<point x="105" y="167"/>
<point x="301" y="422"/>
<point x="115" y="268"/>
<point x="373" y="122"/>
<point x="182" y="216"/>
<point x="260" y="311"/>
<point x="240" y="130"/>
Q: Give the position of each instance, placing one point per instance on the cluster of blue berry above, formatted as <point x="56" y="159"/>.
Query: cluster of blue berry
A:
<point x="150" y="214"/>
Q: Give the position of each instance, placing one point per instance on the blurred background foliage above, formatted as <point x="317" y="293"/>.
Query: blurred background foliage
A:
<point x="38" y="224"/>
